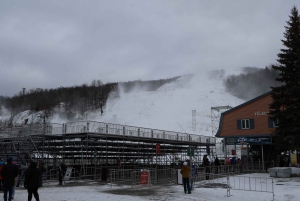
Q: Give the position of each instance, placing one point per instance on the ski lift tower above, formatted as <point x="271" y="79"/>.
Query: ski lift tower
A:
<point x="215" y="122"/>
<point x="215" y="117"/>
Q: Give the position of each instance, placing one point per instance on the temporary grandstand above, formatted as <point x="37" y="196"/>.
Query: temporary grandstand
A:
<point x="88" y="146"/>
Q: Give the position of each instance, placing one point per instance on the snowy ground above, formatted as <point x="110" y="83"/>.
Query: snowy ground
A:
<point x="285" y="189"/>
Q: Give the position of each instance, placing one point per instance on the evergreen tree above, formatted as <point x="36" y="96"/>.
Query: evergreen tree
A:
<point x="285" y="108"/>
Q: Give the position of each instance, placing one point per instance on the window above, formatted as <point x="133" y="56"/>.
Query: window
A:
<point x="272" y="124"/>
<point x="243" y="124"/>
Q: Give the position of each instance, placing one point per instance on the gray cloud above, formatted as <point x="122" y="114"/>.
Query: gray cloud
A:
<point x="48" y="44"/>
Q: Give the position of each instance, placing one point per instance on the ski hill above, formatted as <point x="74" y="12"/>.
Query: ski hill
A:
<point x="168" y="108"/>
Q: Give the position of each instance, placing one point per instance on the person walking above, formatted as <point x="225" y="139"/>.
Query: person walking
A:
<point x="207" y="168"/>
<point x="185" y="171"/>
<point x="217" y="164"/>
<point x="1" y="166"/>
<point x="9" y="173"/>
<point x="227" y="162"/>
<point x="61" y="173"/>
<point x="15" y="182"/>
<point x="232" y="163"/>
<point x="32" y="181"/>
<point x="42" y="170"/>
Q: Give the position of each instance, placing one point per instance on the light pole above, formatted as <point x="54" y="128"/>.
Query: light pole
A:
<point x="23" y="98"/>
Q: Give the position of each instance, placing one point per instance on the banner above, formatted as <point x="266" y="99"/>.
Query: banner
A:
<point x="144" y="177"/>
<point x="158" y="148"/>
<point x="248" y="140"/>
<point x="191" y="151"/>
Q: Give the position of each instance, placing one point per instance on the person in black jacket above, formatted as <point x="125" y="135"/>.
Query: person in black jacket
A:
<point x="217" y="164"/>
<point x="207" y="168"/>
<point x="1" y="166"/>
<point x="42" y="170"/>
<point x="32" y="181"/>
<point x="61" y="173"/>
<point x="9" y="173"/>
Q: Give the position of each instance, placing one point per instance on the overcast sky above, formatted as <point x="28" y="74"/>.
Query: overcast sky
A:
<point x="49" y="44"/>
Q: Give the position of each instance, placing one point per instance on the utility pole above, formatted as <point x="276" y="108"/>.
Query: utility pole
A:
<point x="23" y="98"/>
<point x="194" y="120"/>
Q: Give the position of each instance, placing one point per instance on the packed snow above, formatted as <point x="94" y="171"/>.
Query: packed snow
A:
<point x="285" y="189"/>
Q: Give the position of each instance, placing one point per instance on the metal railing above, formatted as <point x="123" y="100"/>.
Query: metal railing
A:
<point x="52" y="174"/>
<point x="142" y="177"/>
<point x="168" y="176"/>
<point x="117" y="129"/>
<point x="241" y="168"/>
<point x="105" y="128"/>
<point x="257" y="184"/>
<point x="233" y="182"/>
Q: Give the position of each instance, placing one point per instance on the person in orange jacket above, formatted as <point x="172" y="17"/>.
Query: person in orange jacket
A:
<point x="185" y="171"/>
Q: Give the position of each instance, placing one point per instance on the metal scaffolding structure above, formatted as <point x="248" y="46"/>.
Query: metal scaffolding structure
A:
<point x="86" y="144"/>
<point x="215" y="122"/>
<point x="215" y="117"/>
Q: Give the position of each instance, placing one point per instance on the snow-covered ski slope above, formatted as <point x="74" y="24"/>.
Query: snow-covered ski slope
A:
<point x="170" y="107"/>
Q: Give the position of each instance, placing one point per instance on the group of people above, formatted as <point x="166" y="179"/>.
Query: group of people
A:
<point x="186" y="170"/>
<point x="234" y="164"/>
<point x="9" y="174"/>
